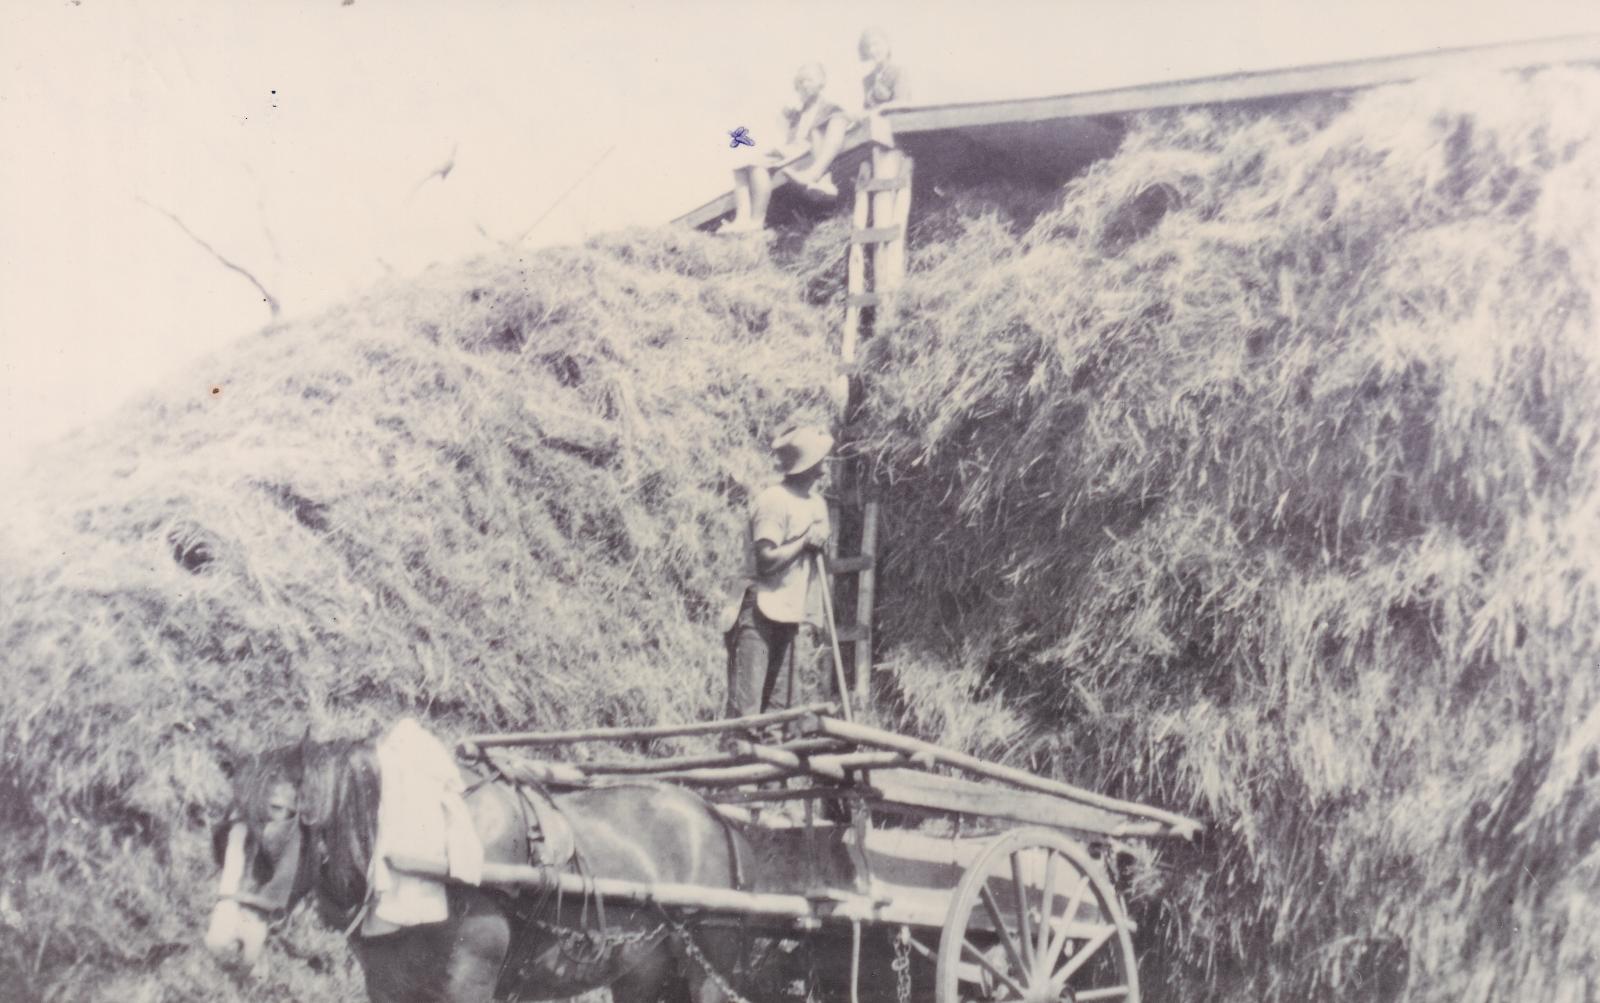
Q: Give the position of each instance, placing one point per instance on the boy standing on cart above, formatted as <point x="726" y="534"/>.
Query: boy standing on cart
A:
<point x="788" y="530"/>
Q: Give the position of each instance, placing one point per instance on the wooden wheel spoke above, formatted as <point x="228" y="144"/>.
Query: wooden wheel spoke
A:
<point x="1108" y="993"/>
<point x="1002" y="931"/>
<point x="1024" y="928"/>
<point x="1059" y="980"/>
<point x="983" y="961"/>
<point x="1068" y="918"/>
<point x="1074" y="942"/>
<point x="1040" y="956"/>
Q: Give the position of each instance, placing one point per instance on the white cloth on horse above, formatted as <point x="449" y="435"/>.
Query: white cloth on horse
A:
<point x="421" y="813"/>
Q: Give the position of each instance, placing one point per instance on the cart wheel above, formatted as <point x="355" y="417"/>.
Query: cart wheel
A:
<point x="1036" y="920"/>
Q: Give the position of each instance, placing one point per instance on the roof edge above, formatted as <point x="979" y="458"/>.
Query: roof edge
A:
<point x="1247" y="85"/>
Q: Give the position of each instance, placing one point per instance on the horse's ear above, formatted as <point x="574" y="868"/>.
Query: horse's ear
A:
<point x="302" y="752"/>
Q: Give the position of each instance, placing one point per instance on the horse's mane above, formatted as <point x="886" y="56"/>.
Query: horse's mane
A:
<point x="255" y="780"/>
<point x="338" y="786"/>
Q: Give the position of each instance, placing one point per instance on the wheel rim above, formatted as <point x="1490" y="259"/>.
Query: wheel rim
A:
<point x="1035" y="921"/>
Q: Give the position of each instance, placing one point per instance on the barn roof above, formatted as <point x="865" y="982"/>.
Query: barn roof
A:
<point x="1074" y="128"/>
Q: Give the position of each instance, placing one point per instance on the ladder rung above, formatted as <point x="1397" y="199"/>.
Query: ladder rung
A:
<point x="863" y="299"/>
<point x="853" y="633"/>
<point x="882" y="184"/>
<point x="876" y="234"/>
<point x="850" y="565"/>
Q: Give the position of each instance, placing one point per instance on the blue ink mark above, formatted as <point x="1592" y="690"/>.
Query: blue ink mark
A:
<point x="741" y="137"/>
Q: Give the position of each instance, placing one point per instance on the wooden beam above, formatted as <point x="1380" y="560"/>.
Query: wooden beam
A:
<point x="876" y="235"/>
<point x="734" y="797"/>
<point x="850" y="565"/>
<point x="866" y="591"/>
<point x="888" y="258"/>
<point x="679" y="896"/>
<point x="916" y="789"/>
<point x="854" y="633"/>
<point x="855" y="288"/>
<point x="785" y="759"/>
<point x="831" y="767"/>
<point x="731" y="776"/>
<point x="857" y="144"/>
<point x="834" y="905"/>
<point x="540" y="770"/>
<point x="892" y="256"/>
<point x="628" y="767"/>
<point x="877" y="737"/>
<point x="702" y="760"/>
<point x="629" y="733"/>
<point x="1231" y="87"/>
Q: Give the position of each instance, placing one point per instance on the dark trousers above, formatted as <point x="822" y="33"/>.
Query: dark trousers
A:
<point x="757" y="649"/>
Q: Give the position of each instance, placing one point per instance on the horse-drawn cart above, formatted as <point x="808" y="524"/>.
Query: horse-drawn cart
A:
<point x="881" y="854"/>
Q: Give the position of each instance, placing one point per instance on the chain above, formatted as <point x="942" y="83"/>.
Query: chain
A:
<point x="599" y="942"/>
<point x="693" y="951"/>
<point x="902" y="965"/>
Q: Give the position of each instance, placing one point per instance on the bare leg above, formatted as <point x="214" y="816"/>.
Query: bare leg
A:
<point x="751" y="192"/>
<point x="760" y="195"/>
<point x="825" y="145"/>
<point x="741" y="196"/>
<point x="828" y="145"/>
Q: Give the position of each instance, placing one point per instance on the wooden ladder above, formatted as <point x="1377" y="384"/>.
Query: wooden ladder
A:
<point x="875" y="269"/>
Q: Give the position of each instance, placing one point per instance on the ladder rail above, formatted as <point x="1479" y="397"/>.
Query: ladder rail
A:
<point x="874" y="269"/>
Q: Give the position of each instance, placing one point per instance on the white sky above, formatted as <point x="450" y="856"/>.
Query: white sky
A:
<point x="292" y="135"/>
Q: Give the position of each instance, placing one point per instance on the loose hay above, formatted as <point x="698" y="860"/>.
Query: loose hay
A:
<point x="1256" y="477"/>
<point x="1272" y="497"/>
<point x="507" y="496"/>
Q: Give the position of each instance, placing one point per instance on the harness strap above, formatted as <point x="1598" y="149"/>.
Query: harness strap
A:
<point x="581" y="865"/>
<point x="731" y="834"/>
<point x="530" y="818"/>
<point x="361" y="915"/>
<point x="254" y="901"/>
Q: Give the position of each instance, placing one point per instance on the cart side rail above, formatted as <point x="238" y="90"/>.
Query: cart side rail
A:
<point x="890" y="769"/>
<point x="1170" y="823"/>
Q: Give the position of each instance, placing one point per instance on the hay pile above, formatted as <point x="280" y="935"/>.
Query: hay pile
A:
<point x="508" y="495"/>
<point x="1256" y="477"/>
<point x="1261" y="480"/>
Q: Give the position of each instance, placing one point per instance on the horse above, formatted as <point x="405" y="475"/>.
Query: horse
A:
<point x="303" y="822"/>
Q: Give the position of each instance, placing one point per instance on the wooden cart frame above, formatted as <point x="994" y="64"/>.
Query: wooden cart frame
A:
<point x="1014" y="899"/>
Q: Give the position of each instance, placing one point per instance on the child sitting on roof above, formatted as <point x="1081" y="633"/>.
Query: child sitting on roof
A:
<point x="883" y="87"/>
<point x="885" y="84"/>
<point x="817" y="125"/>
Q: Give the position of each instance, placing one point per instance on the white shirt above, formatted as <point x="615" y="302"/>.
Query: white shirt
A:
<point x="782" y="515"/>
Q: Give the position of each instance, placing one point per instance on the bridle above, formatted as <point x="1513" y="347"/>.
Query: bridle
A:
<point x="276" y="899"/>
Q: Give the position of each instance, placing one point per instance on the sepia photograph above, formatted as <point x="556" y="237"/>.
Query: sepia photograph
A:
<point x="792" y="501"/>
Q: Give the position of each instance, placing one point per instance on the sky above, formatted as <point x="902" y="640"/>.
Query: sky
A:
<point x="300" y="138"/>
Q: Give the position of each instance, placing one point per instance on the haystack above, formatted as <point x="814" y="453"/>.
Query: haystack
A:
<point x="508" y="495"/>
<point x="1255" y="475"/>
<point x="1261" y="479"/>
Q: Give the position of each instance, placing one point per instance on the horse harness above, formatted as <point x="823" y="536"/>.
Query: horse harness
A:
<point x="552" y="843"/>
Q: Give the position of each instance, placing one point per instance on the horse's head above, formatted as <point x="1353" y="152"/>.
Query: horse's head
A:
<point x="260" y="844"/>
<point x="302" y="819"/>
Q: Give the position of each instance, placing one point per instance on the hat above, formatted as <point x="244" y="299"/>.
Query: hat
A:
<point x="801" y="448"/>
